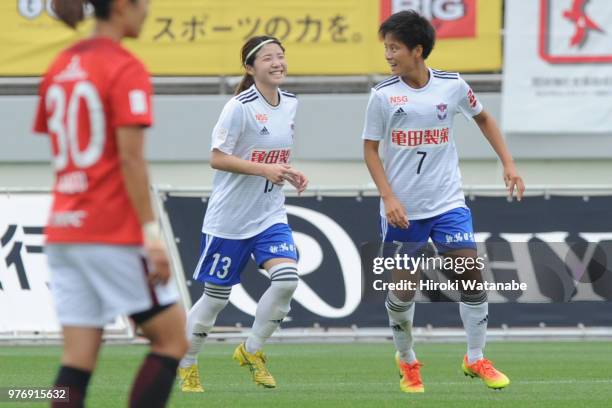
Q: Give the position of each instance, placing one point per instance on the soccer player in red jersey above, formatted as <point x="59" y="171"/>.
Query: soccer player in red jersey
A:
<point x="104" y="248"/>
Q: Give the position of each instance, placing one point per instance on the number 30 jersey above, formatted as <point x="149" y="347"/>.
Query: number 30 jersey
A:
<point x="241" y="206"/>
<point x="91" y="89"/>
<point x="416" y="128"/>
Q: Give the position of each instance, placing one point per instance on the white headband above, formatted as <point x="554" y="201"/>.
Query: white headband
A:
<point x="254" y="50"/>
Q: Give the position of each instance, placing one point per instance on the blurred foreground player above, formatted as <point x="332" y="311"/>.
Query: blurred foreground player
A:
<point x="246" y="216"/>
<point x="95" y="102"/>
<point x="420" y="182"/>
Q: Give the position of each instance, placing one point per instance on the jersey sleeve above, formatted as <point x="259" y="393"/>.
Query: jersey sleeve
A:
<point x="374" y="127"/>
<point x="40" y="120"/>
<point x="468" y="104"/>
<point x="130" y="97"/>
<point x="229" y="127"/>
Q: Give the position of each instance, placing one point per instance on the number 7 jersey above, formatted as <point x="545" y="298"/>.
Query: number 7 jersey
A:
<point x="90" y="90"/>
<point x="416" y="128"/>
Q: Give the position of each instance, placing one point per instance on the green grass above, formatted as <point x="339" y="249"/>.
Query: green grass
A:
<point x="546" y="374"/>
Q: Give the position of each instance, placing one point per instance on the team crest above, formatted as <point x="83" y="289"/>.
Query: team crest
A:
<point x="442" y="111"/>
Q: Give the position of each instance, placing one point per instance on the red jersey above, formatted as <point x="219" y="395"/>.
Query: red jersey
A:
<point x="90" y="90"/>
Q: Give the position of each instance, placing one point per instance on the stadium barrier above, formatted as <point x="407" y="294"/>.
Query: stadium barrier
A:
<point x="26" y="307"/>
<point x="335" y="292"/>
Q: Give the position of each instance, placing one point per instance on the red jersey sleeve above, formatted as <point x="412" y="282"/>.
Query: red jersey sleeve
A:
<point x="40" y="121"/>
<point x="130" y="97"/>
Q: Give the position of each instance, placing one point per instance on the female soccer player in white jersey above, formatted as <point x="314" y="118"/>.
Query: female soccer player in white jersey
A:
<point x="104" y="250"/>
<point x="420" y="182"/>
<point x="251" y="148"/>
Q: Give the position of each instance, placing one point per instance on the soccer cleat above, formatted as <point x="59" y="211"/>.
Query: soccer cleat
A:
<point x="410" y="376"/>
<point x="257" y="365"/>
<point x="190" y="379"/>
<point x="484" y="369"/>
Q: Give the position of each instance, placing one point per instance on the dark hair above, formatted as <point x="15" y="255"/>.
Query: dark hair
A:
<point x="410" y="28"/>
<point x="71" y="11"/>
<point x="253" y="42"/>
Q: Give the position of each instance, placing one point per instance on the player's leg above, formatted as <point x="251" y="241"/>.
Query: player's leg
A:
<point x="219" y="267"/>
<point x="81" y="346"/>
<point x="164" y="326"/>
<point x="79" y="312"/>
<point x="122" y="283"/>
<point x="454" y="237"/>
<point x="200" y="321"/>
<point x="275" y="250"/>
<point x="400" y="304"/>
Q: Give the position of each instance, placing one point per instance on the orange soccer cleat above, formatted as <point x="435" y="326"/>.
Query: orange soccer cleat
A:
<point x="484" y="369"/>
<point x="410" y="376"/>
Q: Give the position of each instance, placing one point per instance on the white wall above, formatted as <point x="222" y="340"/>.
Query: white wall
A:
<point x="328" y="127"/>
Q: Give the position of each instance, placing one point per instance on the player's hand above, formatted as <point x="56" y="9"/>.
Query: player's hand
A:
<point x="513" y="181"/>
<point x="278" y="173"/>
<point x="156" y="253"/>
<point x="395" y="212"/>
<point x="158" y="262"/>
<point x="299" y="181"/>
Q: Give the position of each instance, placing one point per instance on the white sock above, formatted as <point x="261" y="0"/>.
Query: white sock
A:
<point x="474" y="310"/>
<point x="273" y="305"/>
<point x="401" y="316"/>
<point x="201" y="319"/>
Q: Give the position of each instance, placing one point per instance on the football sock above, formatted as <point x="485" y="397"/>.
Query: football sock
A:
<point x="76" y="380"/>
<point x="154" y="382"/>
<point x="201" y="319"/>
<point x="401" y="316"/>
<point x="474" y="311"/>
<point x="273" y="305"/>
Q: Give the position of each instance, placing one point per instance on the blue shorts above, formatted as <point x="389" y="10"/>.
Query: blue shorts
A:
<point x="449" y="231"/>
<point x="222" y="260"/>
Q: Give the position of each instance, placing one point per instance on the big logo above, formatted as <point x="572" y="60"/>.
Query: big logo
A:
<point x="348" y="259"/>
<point x="451" y="18"/>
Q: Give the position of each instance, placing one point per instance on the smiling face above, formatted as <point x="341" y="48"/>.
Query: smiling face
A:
<point x="269" y="66"/>
<point x="400" y="58"/>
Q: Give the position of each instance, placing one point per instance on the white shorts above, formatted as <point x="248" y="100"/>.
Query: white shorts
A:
<point x="92" y="285"/>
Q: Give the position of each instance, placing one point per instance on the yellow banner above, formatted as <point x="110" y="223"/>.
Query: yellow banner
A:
<point x="204" y="37"/>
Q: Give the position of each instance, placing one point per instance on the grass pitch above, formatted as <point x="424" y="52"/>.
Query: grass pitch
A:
<point x="543" y="374"/>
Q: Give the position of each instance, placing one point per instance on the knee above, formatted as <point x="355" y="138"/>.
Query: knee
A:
<point x="171" y="344"/>
<point x="286" y="287"/>
<point x="474" y="298"/>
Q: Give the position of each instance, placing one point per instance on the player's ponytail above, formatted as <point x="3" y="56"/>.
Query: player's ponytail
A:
<point x="248" y="54"/>
<point x="69" y="11"/>
<point x="72" y="12"/>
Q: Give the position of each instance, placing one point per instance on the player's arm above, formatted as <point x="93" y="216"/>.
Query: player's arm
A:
<point x="492" y="133"/>
<point x="130" y="145"/>
<point x="227" y="162"/>
<point x="227" y="132"/>
<point x="276" y="173"/>
<point x="373" y="133"/>
<point x="394" y="210"/>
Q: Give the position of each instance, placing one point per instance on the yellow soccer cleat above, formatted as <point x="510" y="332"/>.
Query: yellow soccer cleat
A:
<point x="484" y="369"/>
<point x="190" y="379"/>
<point x="257" y="364"/>
<point x="410" y="376"/>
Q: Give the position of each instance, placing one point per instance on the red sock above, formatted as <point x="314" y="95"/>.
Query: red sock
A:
<point x="154" y="382"/>
<point x="76" y="380"/>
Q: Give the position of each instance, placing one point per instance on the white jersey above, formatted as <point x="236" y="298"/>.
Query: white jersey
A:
<point x="419" y="153"/>
<point x="242" y="206"/>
